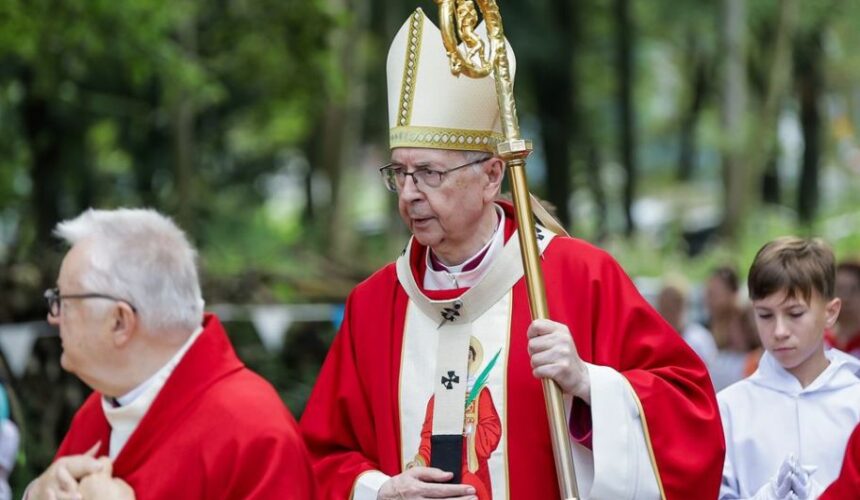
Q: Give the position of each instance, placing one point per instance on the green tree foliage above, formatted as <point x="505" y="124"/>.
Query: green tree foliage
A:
<point x="175" y="104"/>
<point x="92" y="94"/>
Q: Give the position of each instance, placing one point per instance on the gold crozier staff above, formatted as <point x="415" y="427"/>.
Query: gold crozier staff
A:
<point x="458" y="24"/>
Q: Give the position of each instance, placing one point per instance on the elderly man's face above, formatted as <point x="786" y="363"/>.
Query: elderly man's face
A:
<point x="444" y="218"/>
<point x="84" y="324"/>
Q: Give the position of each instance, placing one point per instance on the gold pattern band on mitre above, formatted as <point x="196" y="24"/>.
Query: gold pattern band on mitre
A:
<point x="444" y="138"/>
<point x="410" y="68"/>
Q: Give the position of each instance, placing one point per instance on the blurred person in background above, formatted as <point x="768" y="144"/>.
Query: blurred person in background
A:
<point x="725" y="320"/>
<point x="846" y="335"/>
<point x="672" y="305"/>
<point x="749" y="341"/>
<point x="174" y="412"/>
<point x="722" y="305"/>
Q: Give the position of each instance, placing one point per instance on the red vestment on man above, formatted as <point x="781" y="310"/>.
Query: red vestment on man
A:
<point x="847" y="485"/>
<point x="352" y="421"/>
<point x="216" y="430"/>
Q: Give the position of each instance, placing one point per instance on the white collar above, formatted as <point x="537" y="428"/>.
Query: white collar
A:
<point x="133" y="394"/>
<point x="124" y="419"/>
<point x="843" y="369"/>
<point x="453" y="277"/>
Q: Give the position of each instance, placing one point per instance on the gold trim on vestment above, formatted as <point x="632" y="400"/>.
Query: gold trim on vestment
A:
<point x="400" y="384"/>
<point x="410" y="69"/>
<point x="647" y="439"/>
<point x="508" y="344"/>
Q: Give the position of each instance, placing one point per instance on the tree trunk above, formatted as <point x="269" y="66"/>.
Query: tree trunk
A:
<point x="548" y="84"/>
<point x="759" y="144"/>
<point x="183" y="135"/>
<point x="595" y="185"/>
<point x="343" y="127"/>
<point x="763" y="147"/>
<point x="308" y="212"/>
<point x="553" y="105"/>
<point x="809" y="56"/>
<point x="624" y="34"/>
<point x="46" y="155"/>
<point x="770" y="184"/>
<point x="698" y="90"/>
<point x="556" y="107"/>
<point x="734" y="103"/>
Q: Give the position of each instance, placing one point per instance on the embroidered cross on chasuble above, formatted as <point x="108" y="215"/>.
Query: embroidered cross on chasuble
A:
<point x="457" y="351"/>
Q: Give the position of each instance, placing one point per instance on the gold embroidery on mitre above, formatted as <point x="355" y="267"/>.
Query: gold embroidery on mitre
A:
<point x="444" y="138"/>
<point x="410" y="69"/>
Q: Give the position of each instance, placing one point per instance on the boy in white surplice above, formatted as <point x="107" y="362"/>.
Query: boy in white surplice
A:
<point x="786" y="426"/>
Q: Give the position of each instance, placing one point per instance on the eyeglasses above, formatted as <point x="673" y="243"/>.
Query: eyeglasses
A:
<point x="54" y="299"/>
<point x="394" y="175"/>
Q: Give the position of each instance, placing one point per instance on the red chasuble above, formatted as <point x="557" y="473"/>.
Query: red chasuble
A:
<point x="352" y="421"/>
<point x="847" y="485"/>
<point x="216" y="430"/>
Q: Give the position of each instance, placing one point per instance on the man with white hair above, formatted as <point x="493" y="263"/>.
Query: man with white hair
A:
<point x="174" y="412"/>
<point x="398" y="412"/>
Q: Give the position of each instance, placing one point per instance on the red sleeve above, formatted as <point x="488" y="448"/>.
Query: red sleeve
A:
<point x="614" y="326"/>
<point x="269" y="465"/>
<point x="673" y="386"/>
<point x="337" y="423"/>
<point x="847" y="485"/>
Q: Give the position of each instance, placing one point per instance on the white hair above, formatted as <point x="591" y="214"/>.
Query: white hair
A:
<point x="475" y="155"/>
<point x="140" y="256"/>
<point x="470" y="156"/>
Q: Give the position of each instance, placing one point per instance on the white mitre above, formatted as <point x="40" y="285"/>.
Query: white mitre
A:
<point x="428" y="107"/>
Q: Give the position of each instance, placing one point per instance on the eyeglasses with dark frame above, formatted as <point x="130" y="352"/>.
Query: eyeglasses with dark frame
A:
<point x="394" y="175"/>
<point x="55" y="300"/>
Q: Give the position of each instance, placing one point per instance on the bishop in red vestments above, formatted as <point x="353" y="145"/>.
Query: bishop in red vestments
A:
<point x="642" y="411"/>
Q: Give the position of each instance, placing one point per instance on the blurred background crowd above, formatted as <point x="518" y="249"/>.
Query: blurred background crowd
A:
<point x="678" y="135"/>
<point x="717" y="320"/>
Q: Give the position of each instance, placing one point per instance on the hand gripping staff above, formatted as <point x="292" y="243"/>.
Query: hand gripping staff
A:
<point x="514" y="151"/>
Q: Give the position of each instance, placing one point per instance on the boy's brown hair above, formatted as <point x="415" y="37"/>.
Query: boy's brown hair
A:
<point x="796" y="265"/>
